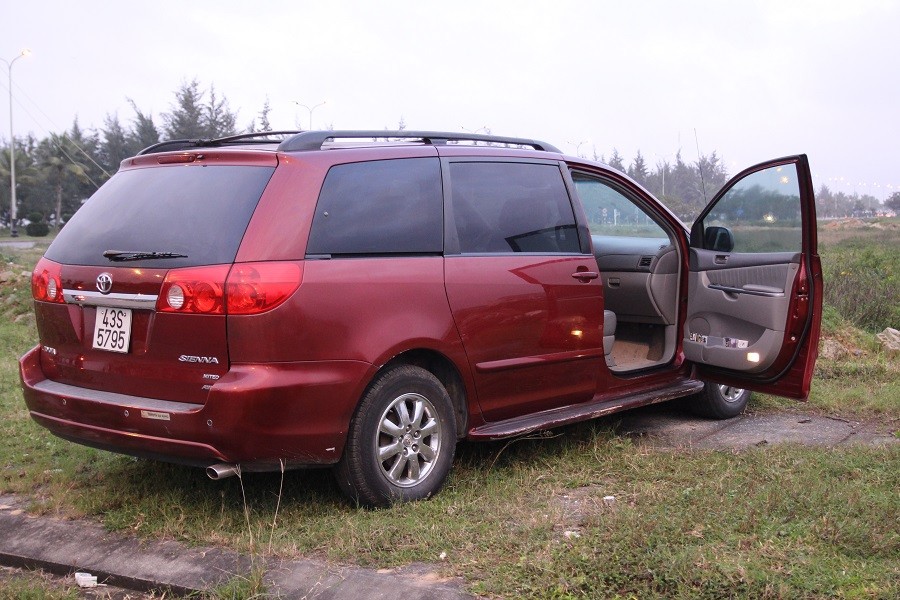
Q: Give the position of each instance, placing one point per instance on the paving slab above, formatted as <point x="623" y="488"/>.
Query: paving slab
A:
<point x="757" y="430"/>
<point x="667" y="427"/>
<point x="671" y="428"/>
<point x="64" y="546"/>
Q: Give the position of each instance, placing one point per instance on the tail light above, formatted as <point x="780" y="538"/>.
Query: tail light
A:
<point x="46" y="282"/>
<point x="196" y="290"/>
<point x="248" y="289"/>
<point x="254" y="288"/>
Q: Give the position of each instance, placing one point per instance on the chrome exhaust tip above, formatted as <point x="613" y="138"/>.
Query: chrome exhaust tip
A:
<point x="222" y="470"/>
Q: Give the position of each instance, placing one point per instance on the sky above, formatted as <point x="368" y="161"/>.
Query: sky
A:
<point x="750" y="80"/>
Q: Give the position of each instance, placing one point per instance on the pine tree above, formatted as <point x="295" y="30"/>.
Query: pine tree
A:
<point x="143" y="130"/>
<point x="616" y="161"/>
<point x="638" y="169"/>
<point x="264" y="124"/>
<point x="217" y="120"/>
<point x="116" y="145"/>
<point x="187" y="120"/>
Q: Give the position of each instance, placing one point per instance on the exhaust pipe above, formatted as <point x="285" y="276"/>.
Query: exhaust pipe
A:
<point x="222" y="470"/>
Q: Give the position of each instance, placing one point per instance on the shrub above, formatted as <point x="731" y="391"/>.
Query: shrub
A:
<point x="38" y="229"/>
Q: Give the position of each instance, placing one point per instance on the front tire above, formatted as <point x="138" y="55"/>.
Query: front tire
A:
<point x="401" y="441"/>
<point x="719" y="401"/>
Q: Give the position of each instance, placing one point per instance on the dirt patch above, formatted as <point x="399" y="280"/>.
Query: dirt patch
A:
<point x="854" y="223"/>
<point x="845" y="224"/>
<point x="839" y="346"/>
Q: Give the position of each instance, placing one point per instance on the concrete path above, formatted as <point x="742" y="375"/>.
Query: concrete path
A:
<point x="18" y="245"/>
<point x="665" y="426"/>
<point x="61" y="547"/>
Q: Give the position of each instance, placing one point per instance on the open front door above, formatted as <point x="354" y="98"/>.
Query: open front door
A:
<point x="755" y="282"/>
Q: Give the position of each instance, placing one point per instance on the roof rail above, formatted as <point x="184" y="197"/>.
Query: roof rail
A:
<point x="243" y="138"/>
<point x="313" y="140"/>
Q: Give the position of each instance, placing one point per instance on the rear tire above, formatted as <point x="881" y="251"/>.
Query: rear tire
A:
<point x="401" y="441"/>
<point x="718" y="401"/>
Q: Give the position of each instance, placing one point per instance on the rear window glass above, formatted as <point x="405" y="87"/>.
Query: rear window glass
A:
<point x="380" y="207"/>
<point x="199" y="211"/>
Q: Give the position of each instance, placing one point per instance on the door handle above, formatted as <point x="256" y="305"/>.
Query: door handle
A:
<point x="721" y="259"/>
<point x="585" y="276"/>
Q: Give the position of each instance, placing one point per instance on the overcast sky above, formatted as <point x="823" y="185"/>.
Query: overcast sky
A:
<point x="755" y="80"/>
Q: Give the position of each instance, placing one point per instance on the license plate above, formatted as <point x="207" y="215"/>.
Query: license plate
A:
<point x="112" y="331"/>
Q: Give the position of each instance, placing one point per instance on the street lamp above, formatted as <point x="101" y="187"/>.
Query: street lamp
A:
<point x="12" y="148"/>
<point x="310" y="110"/>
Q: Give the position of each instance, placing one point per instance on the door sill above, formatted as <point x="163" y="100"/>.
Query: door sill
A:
<point x="565" y="415"/>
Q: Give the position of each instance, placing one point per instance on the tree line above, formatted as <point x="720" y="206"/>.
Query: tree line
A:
<point x="54" y="175"/>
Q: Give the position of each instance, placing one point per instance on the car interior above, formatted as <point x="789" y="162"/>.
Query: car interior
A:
<point x="639" y="264"/>
<point x="739" y="280"/>
<point x="640" y="278"/>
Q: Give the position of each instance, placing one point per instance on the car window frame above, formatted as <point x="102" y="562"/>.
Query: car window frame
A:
<point x="451" y="238"/>
<point x="313" y="253"/>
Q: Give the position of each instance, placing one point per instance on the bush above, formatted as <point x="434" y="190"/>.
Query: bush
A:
<point x="36" y="217"/>
<point x="37" y="229"/>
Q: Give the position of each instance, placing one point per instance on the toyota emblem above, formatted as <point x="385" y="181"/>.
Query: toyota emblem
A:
<point x="104" y="283"/>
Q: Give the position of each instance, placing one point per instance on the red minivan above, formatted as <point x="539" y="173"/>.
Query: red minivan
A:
<point x="365" y="299"/>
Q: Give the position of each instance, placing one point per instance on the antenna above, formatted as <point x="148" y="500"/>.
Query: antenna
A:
<point x="700" y="165"/>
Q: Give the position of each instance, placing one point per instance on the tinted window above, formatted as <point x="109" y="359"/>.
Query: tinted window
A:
<point x="380" y="207"/>
<point x="512" y="207"/>
<point x="762" y="211"/>
<point x="200" y="211"/>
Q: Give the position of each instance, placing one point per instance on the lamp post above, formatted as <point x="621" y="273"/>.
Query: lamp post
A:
<point x="310" y="110"/>
<point x="12" y="148"/>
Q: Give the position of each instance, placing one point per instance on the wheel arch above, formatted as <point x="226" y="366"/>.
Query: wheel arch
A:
<point x="446" y="372"/>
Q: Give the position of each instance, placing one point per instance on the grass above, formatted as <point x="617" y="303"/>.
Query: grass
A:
<point x="862" y="273"/>
<point x="862" y="296"/>
<point x="240" y="587"/>
<point x="526" y="518"/>
<point x="30" y="585"/>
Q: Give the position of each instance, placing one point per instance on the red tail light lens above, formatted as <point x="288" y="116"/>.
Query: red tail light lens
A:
<point x="254" y="288"/>
<point x="198" y="290"/>
<point x="46" y="282"/>
<point x="249" y="288"/>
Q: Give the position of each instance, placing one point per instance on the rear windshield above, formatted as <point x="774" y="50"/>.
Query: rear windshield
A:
<point x="199" y="211"/>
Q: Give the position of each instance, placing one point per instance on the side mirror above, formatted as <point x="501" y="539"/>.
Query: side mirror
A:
<point x="719" y="239"/>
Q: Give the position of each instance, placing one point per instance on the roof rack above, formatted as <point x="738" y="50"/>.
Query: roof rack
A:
<point x="314" y="140"/>
<point x="244" y="138"/>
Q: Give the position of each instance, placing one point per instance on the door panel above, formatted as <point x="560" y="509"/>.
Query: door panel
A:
<point x="523" y="286"/>
<point x="531" y="330"/>
<point x="738" y="313"/>
<point x="754" y="286"/>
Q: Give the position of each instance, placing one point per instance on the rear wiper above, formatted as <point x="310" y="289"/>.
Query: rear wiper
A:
<point x="124" y="255"/>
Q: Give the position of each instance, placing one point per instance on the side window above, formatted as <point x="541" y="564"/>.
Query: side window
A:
<point x="502" y="207"/>
<point x="380" y="207"/>
<point x="611" y="213"/>
<point x="759" y="213"/>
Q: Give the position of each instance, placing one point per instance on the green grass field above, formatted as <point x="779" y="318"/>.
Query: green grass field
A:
<point x="525" y="518"/>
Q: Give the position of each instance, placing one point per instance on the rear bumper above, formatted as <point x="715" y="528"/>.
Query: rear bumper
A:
<point x="255" y="415"/>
